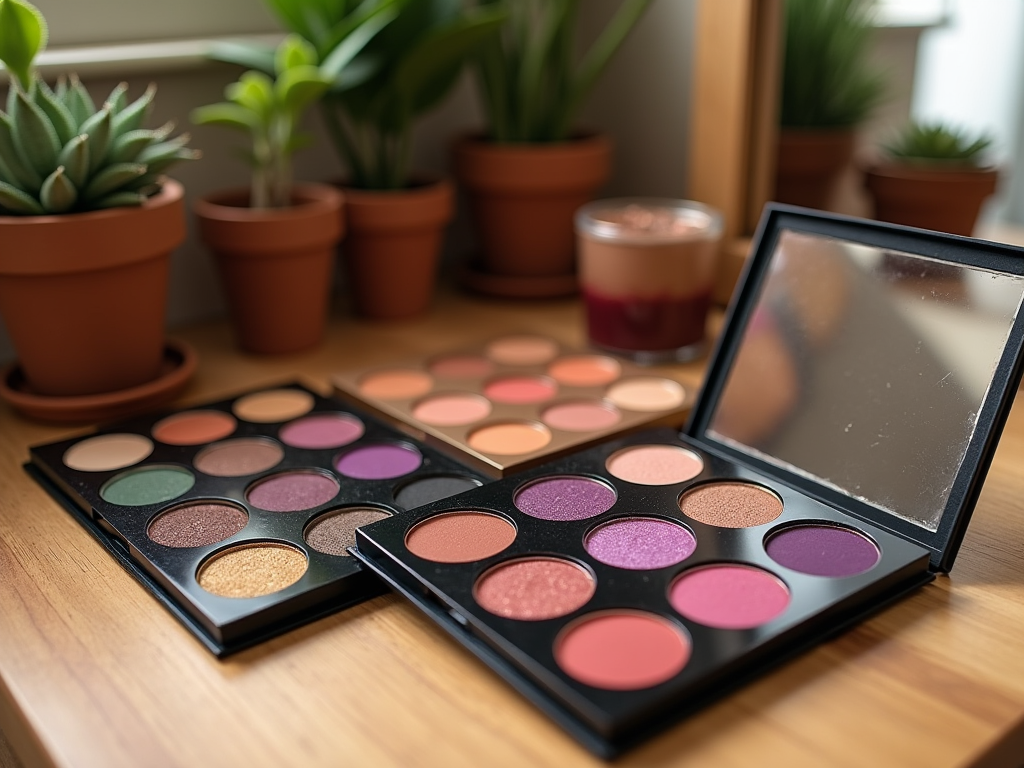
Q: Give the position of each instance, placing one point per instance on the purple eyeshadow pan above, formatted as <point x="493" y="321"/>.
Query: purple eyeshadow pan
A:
<point x="823" y="550"/>
<point x="379" y="462"/>
<point x="640" y="543"/>
<point x="326" y="430"/>
<point x="293" y="491"/>
<point x="565" y="498"/>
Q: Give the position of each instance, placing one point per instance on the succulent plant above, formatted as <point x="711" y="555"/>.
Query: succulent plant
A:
<point x="59" y="153"/>
<point x="931" y="142"/>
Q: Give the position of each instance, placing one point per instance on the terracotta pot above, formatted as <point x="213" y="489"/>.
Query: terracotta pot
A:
<point x="84" y="295"/>
<point x="943" y="199"/>
<point x="523" y="197"/>
<point x="809" y="164"/>
<point x="393" y="246"/>
<point x="275" y="264"/>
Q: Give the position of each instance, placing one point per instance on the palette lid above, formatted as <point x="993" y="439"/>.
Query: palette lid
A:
<point x="870" y="365"/>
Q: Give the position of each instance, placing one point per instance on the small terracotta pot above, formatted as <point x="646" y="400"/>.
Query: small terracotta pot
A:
<point x="275" y="264"/>
<point x="393" y="246"/>
<point x="809" y="164"/>
<point x="84" y="295"/>
<point x="523" y="197"/>
<point x="947" y="200"/>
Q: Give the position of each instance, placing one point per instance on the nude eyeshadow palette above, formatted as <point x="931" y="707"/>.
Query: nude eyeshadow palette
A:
<point x="238" y="514"/>
<point x="830" y="467"/>
<point x="516" y="401"/>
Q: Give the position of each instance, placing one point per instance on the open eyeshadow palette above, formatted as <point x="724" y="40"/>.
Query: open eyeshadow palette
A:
<point x="830" y="466"/>
<point x="237" y="515"/>
<point x="516" y="401"/>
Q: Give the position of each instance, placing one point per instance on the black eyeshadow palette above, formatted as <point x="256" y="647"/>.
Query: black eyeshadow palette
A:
<point x="830" y="466"/>
<point x="238" y="514"/>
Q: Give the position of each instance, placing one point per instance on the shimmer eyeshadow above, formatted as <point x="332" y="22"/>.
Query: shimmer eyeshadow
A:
<point x="731" y="505"/>
<point x="640" y="543"/>
<point x="239" y="457"/>
<point x="293" y="491"/>
<point x="252" y="570"/>
<point x="197" y="524"/>
<point x="534" y="588"/>
<point x="565" y="498"/>
<point x="334" y="532"/>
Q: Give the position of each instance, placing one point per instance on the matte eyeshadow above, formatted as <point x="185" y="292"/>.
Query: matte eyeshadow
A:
<point x="640" y="543"/>
<point x="194" y="427"/>
<point x="534" y="589"/>
<point x="622" y="650"/>
<point x="334" y="532"/>
<point x="731" y="505"/>
<point x="647" y="394"/>
<point x="452" y="410"/>
<point x="240" y="457"/>
<point x="147" y="485"/>
<point x="522" y="350"/>
<point x="584" y="370"/>
<point x="198" y="524"/>
<point x="379" y="462"/>
<point x="510" y="438"/>
<point x="399" y="384"/>
<point x="462" y="367"/>
<point x="565" y="498"/>
<point x="273" y="405"/>
<point x="520" y="390"/>
<point x="655" y="464"/>
<point x="729" y="596"/>
<point x="293" y="491"/>
<point x="325" y="430"/>
<point x="581" y="417"/>
<point x="460" y="537"/>
<point x="429" y="489"/>
<point x="822" y="550"/>
<point x="252" y="570"/>
<point x="107" y="452"/>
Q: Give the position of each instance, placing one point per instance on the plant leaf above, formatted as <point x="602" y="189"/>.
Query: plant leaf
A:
<point x="257" y="57"/>
<point x="58" y="194"/>
<point x="125" y="148"/>
<point x="118" y="98"/>
<point x="112" y="178"/>
<point x="59" y="115"/>
<point x="255" y="91"/>
<point x="343" y="54"/>
<point x="118" y="200"/>
<point x="34" y="136"/>
<point x="97" y="130"/>
<point x="75" y="159"/>
<point x="23" y="34"/>
<point x="16" y="201"/>
<point x="292" y="52"/>
<point x="21" y="172"/>
<point x="132" y="116"/>
<point x="231" y="115"/>
<point x="297" y="88"/>
<point x="79" y="102"/>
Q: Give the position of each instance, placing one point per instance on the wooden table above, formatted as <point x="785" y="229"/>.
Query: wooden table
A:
<point x="94" y="672"/>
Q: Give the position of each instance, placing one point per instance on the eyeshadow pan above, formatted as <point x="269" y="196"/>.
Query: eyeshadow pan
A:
<point x="565" y="498"/>
<point x="239" y="457"/>
<point x="584" y="370"/>
<point x="197" y="524"/>
<point x="640" y="543"/>
<point x="326" y="430"/>
<point x="462" y="367"/>
<point x="293" y="491"/>
<point x="520" y="390"/>
<point x="823" y="550"/>
<point x="104" y="453"/>
<point x="397" y="384"/>
<point x="334" y="532"/>
<point x="273" y="405"/>
<point x="581" y="417"/>
<point x="622" y="650"/>
<point x="379" y="462"/>
<point x="654" y="464"/>
<point x="452" y="410"/>
<point x="522" y="350"/>
<point x="147" y="485"/>
<point x="534" y="588"/>
<point x="460" y="537"/>
<point x="731" y="505"/>
<point x="252" y="570"/>
<point x="510" y="438"/>
<point x="194" y="427"/>
<point x="647" y="394"/>
<point x="729" y="596"/>
<point x="425" y="490"/>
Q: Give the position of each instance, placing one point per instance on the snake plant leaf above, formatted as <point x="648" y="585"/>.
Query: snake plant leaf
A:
<point x="256" y="57"/>
<point x="59" y="115"/>
<point x="118" y="98"/>
<point x="255" y="91"/>
<point x="298" y="87"/>
<point x="353" y="44"/>
<point x="79" y="102"/>
<point x="16" y="201"/>
<point x="97" y="128"/>
<point x="112" y="178"/>
<point x="58" y="194"/>
<point x="126" y="148"/>
<point x="25" y="175"/>
<point x="23" y="34"/>
<point x="293" y="52"/>
<point x="119" y="200"/>
<point x="34" y="136"/>
<point x="230" y="115"/>
<point x="75" y="159"/>
<point x="130" y="118"/>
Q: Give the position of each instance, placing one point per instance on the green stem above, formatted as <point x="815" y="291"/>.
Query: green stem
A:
<point x="343" y="144"/>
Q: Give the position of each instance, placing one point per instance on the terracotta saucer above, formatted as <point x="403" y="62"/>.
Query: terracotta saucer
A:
<point x="512" y="287"/>
<point x="179" y="364"/>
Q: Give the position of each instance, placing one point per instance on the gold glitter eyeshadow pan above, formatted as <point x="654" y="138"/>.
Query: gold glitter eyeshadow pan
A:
<point x="237" y="514"/>
<point x="830" y="466"/>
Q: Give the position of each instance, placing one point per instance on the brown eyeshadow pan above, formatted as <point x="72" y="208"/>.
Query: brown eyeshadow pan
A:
<point x="731" y="505"/>
<point x="334" y="532"/>
<point x="197" y="524"/>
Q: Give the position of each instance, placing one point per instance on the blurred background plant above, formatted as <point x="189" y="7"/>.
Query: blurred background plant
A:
<point x="939" y="142"/>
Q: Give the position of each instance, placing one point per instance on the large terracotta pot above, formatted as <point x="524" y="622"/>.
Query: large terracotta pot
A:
<point x="809" y="164"/>
<point x="275" y="264"/>
<point x="523" y="197"/>
<point x="393" y="246"/>
<point x="944" y="199"/>
<point x="84" y="295"/>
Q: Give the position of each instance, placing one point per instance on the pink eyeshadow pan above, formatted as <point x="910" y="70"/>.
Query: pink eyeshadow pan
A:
<point x="729" y="596"/>
<point x="328" y="430"/>
<point x="293" y="491"/>
<point x="581" y="417"/>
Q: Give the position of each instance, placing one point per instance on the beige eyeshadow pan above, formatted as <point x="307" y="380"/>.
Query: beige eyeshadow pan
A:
<point x="252" y="570"/>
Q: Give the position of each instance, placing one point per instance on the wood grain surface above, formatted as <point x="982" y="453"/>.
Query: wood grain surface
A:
<point x="94" y="672"/>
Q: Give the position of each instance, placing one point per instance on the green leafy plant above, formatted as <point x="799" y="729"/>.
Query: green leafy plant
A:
<point x="827" y="79"/>
<point x="269" y="112"/>
<point x="59" y="153"/>
<point x="532" y="88"/>
<point x="930" y="142"/>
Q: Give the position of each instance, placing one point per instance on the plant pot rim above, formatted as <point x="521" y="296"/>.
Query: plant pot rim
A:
<point x="926" y="172"/>
<point x="478" y="141"/>
<point x="314" y="199"/>
<point x="170" y="192"/>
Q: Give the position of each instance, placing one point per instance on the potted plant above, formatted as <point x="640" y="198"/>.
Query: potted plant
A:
<point x="933" y="176"/>
<point x="828" y="89"/>
<point x="411" y="53"/>
<point x="274" y="242"/>
<point x="87" y="225"/>
<point x="532" y="168"/>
